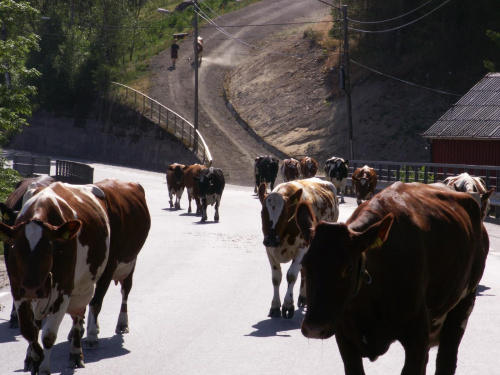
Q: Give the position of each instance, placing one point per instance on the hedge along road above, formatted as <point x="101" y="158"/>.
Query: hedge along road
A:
<point x="201" y="296"/>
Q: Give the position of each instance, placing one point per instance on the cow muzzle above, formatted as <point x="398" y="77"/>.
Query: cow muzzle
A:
<point x="29" y="291"/>
<point x="316" y="331"/>
<point x="271" y="241"/>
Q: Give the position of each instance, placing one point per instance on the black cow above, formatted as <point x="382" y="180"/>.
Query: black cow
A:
<point x="337" y="169"/>
<point x="266" y="170"/>
<point x="211" y="184"/>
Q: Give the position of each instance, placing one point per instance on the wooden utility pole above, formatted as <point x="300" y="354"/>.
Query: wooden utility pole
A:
<point x="347" y="82"/>
<point x="195" y="9"/>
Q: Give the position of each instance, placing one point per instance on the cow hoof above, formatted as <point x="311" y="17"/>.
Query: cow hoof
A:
<point x="121" y="328"/>
<point x="287" y="312"/>
<point x="274" y="312"/>
<point x="76" y="361"/>
<point x="216" y="218"/>
<point x="301" y="301"/>
<point x="90" y="344"/>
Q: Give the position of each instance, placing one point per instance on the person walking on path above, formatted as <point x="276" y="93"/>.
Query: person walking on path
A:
<point x="174" y="52"/>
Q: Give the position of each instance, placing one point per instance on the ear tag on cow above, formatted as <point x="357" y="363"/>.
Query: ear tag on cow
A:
<point x="377" y="243"/>
<point x="65" y="235"/>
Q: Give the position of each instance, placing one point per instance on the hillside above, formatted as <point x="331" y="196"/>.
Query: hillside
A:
<point x="295" y="104"/>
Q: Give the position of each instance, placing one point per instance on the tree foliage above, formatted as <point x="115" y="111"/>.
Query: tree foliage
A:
<point x="15" y="45"/>
<point x="432" y="42"/>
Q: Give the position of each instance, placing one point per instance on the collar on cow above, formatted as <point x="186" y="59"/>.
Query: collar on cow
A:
<point x="363" y="274"/>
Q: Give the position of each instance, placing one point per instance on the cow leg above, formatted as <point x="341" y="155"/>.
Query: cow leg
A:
<point x="95" y="305"/>
<point x="190" y="197"/>
<point x="216" y="216"/>
<point x="291" y="277"/>
<point x="415" y="341"/>
<point x="29" y="329"/>
<point x="302" y="293"/>
<point x="49" y="335"/>
<point x="178" y="197"/>
<point x="171" y="196"/>
<point x="14" y="320"/>
<point x="122" y="325"/>
<point x="75" y="348"/>
<point x="203" y="210"/>
<point x="452" y="333"/>
<point x="275" y="311"/>
<point x="198" y="206"/>
<point x="353" y="362"/>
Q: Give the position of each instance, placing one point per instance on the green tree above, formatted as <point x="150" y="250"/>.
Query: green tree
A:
<point x="492" y="65"/>
<point x="15" y="45"/>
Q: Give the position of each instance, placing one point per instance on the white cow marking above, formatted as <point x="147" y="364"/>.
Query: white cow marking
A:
<point x="33" y="234"/>
<point x="274" y="204"/>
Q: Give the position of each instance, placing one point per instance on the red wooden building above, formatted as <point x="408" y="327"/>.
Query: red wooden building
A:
<point x="469" y="133"/>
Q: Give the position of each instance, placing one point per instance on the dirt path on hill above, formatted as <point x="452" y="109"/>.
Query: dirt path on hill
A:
<point x="232" y="148"/>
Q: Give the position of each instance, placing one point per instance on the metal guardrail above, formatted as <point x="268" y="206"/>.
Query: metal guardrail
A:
<point x="74" y="173"/>
<point x="28" y="165"/>
<point x="390" y="172"/>
<point x="169" y="120"/>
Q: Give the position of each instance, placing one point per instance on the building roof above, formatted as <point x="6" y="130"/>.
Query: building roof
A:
<point x="475" y="116"/>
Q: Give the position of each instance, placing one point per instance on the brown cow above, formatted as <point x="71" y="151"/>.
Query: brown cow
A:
<point x="405" y="266"/>
<point x="364" y="182"/>
<point x="9" y="211"/>
<point x="175" y="184"/>
<point x="308" y="167"/>
<point x="129" y="223"/>
<point x="58" y="249"/>
<point x="281" y="236"/>
<point x="290" y="169"/>
<point x="191" y="172"/>
<point x="474" y="186"/>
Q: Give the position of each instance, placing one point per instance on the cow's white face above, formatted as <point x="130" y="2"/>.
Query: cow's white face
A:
<point x="274" y="205"/>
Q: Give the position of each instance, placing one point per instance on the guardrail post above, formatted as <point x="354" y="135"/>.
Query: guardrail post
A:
<point x="135" y="99"/>
<point x="151" y="104"/>
<point x="159" y="114"/>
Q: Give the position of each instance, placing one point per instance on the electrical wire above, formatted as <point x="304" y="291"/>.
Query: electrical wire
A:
<point x="333" y="6"/>
<point x="392" y="19"/>
<point x="400" y="80"/>
<point x="400" y="27"/>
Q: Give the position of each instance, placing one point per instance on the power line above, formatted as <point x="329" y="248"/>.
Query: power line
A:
<point x="400" y="80"/>
<point x="400" y="27"/>
<point x="392" y="19"/>
<point x="333" y="6"/>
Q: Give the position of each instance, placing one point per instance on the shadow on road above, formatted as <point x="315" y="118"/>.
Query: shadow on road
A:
<point x="278" y="326"/>
<point x="8" y="334"/>
<point x="481" y="289"/>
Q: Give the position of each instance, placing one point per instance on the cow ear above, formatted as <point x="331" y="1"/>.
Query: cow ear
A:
<point x="68" y="230"/>
<point x="295" y="197"/>
<point x="375" y="236"/>
<point x="305" y="219"/>
<point x="6" y="232"/>
<point x="262" y="192"/>
<point x="354" y="178"/>
<point x="7" y="213"/>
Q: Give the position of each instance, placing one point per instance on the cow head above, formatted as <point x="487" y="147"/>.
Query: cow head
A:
<point x="334" y="267"/>
<point x="277" y="212"/>
<point x="337" y="168"/>
<point x="309" y="167"/>
<point x="177" y="171"/>
<point x="205" y="182"/>
<point x="33" y="246"/>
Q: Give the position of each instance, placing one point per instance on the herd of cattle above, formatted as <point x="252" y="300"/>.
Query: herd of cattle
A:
<point x="404" y="267"/>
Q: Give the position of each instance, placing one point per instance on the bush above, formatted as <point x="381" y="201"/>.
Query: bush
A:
<point x="8" y="179"/>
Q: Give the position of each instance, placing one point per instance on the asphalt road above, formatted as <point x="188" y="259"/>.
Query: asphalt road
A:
<point x="201" y="296"/>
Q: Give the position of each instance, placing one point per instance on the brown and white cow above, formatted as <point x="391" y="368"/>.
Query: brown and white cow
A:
<point x="290" y="169"/>
<point x="191" y="172"/>
<point x="58" y="249"/>
<point x="364" y="182"/>
<point x="308" y="167"/>
<point x="404" y="267"/>
<point x="175" y="184"/>
<point x="282" y="239"/>
<point x="337" y="170"/>
<point x="129" y="222"/>
<point x="474" y="186"/>
<point x="9" y="211"/>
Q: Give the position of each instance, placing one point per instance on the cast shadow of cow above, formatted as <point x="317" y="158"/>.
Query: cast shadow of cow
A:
<point x="274" y="327"/>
